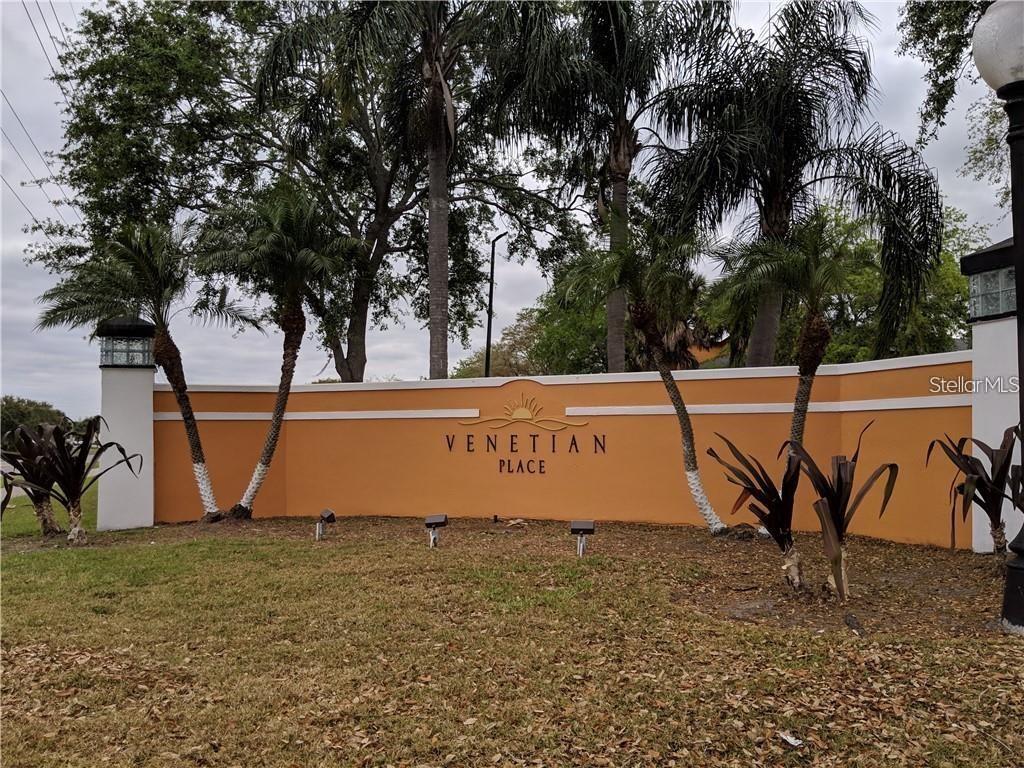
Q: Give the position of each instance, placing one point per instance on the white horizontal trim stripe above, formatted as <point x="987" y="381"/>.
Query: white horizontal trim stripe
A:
<point x="891" y="404"/>
<point x="702" y="374"/>
<point x="437" y="413"/>
<point x="214" y="416"/>
<point x="896" y="404"/>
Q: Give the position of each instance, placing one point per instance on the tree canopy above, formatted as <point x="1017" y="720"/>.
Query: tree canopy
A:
<point x="937" y="322"/>
<point x="939" y="33"/>
<point x="579" y="127"/>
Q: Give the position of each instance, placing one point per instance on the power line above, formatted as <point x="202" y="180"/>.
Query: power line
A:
<point x="53" y="176"/>
<point x="46" y="26"/>
<point x="21" y="157"/>
<point x="23" y="205"/>
<point x="43" y="47"/>
<point x="32" y="175"/>
<point x="60" y="26"/>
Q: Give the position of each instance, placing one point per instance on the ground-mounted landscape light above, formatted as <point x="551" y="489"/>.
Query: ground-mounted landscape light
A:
<point x="434" y="522"/>
<point x="326" y="517"/>
<point x="581" y="529"/>
<point x="998" y="47"/>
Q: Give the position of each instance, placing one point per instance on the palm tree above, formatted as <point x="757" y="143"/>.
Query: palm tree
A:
<point x="789" y="107"/>
<point x="620" y="64"/>
<point x="813" y="265"/>
<point x="657" y="279"/>
<point x="455" y="62"/>
<point x="146" y="272"/>
<point x="289" y="245"/>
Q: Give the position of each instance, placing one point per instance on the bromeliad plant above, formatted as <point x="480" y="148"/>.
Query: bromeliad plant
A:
<point x="837" y="503"/>
<point x="986" y="487"/>
<point x="771" y="504"/>
<point x="27" y="456"/>
<point x="67" y="465"/>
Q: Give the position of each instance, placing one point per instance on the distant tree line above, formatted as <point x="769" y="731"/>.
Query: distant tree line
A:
<point x="15" y="411"/>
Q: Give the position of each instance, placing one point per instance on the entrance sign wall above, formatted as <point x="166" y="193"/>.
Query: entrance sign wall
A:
<point x="602" y="447"/>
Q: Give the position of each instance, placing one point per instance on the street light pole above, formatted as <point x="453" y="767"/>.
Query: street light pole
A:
<point x="1013" y="96"/>
<point x="998" y="48"/>
<point x="490" y="308"/>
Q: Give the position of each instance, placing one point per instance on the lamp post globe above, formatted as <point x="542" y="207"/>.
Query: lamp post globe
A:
<point x="998" y="48"/>
<point x="998" y="44"/>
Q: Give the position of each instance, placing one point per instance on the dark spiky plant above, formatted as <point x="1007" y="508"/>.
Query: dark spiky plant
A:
<point x="146" y="271"/>
<point x="837" y="503"/>
<point x="27" y="456"/>
<point x="69" y="462"/>
<point x="981" y="485"/>
<point x="8" y="493"/>
<point x="1016" y="484"/>
<point x="771" y="504"/>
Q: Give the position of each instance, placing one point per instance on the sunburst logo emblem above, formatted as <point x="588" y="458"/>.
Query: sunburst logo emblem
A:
<point x="525" y="411"/>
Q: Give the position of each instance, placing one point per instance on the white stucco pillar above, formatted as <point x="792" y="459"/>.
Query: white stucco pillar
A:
<point x="994" y="407"/>
<point x="127" y="373"/>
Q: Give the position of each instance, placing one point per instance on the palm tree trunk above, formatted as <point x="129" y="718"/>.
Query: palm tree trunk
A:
<point x="437" y="232"/>
<point x="815" y="336"/>
<point x="76" y="536"/>
<point x="293" y="323"/>
<point x="700" y="498"/>
<point x="47" y="522"/>
<point x="793" y="567"/>
<point x="615" y="305"/>
<point x="999" y="546"/>
<point x="168" y="357"/>
<point x="800" y="403"/>
<point x="775" y="222"/>
<point x="765" y="333"/>
<point x="837" y="582"/>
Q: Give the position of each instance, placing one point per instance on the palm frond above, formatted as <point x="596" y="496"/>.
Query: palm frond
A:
<point x="886" y="181"/>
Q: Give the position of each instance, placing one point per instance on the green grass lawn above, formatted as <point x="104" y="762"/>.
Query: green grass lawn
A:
<point x="250" y="644"/>
<point x="20" y="520"/>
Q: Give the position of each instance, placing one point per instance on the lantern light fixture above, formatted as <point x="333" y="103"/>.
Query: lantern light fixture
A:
<point x="126" y="342"/>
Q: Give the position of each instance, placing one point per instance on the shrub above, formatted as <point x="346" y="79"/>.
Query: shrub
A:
<point x="27" y="455"/>
<point x="837" y="503"/>
<point x="63" y="463"/>
<point x="986" y="487"/>
<point x="771" y="504"/>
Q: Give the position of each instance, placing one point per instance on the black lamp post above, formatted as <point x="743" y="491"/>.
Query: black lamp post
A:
<point x="490" y="308"/>
<point x="998" y="47"/>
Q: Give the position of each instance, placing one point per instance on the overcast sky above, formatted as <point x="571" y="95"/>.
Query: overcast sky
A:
<point x="61" y="366"/>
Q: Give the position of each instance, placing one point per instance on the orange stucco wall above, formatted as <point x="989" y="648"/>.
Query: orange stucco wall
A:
<point x="420" y="466"/>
